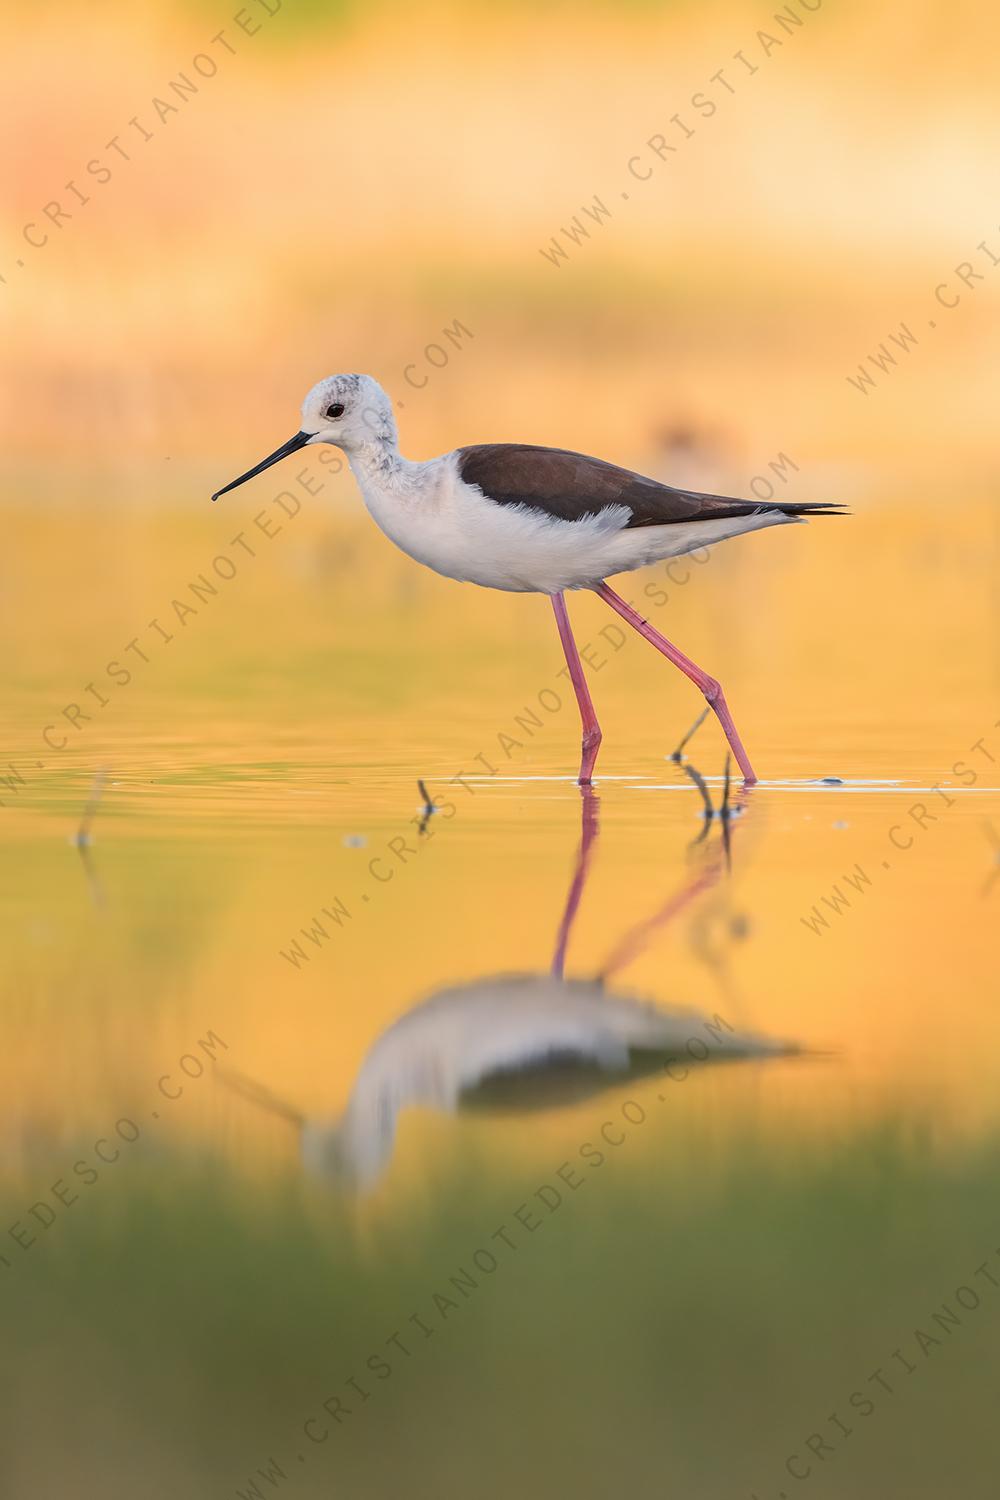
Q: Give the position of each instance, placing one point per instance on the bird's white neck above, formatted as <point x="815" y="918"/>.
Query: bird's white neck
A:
<point x="401" y="494"/>
<point x="376" y="461"/>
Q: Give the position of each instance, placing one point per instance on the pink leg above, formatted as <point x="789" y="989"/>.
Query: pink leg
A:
<point x="591" y="728"/>
<point x="712" y="689"/>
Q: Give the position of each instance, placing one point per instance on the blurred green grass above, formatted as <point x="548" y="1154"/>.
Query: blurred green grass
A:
<point x="681" y="1322"/>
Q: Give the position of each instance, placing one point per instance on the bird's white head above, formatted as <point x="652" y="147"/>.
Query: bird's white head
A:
<point x="350" y="411"/>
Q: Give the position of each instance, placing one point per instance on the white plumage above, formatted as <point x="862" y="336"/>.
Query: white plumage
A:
<point x="438" y="1054"/>
<point x="436" y="518"/>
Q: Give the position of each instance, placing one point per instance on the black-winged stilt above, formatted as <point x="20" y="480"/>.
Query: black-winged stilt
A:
<point x="529" y="519"/>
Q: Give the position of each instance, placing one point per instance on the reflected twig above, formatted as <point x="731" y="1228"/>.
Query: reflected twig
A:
<point x="725" y="814"/>
<point x="718" y="927"/>
<point x="706" y="797"/>
<point x="81" y="840"/>
<point x="638" y="937"/>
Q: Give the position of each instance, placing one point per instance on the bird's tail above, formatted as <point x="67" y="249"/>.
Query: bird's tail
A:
<point x="723" y="507"/>
<point x="808" y="507"/>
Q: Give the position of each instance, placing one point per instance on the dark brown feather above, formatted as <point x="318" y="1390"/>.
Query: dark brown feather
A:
<point x="571" y="485"/>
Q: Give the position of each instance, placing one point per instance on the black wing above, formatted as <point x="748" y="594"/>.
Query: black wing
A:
<point x="570" y="485"/>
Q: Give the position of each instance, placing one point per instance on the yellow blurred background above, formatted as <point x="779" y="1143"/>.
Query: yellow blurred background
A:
<point x="349" y="181"/>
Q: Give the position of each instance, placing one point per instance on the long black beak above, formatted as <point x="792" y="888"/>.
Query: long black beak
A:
<point x="259" y="1095"/>
<point x="298" y="441"/>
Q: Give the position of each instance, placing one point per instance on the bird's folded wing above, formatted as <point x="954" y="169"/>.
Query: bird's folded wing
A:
<point x="569" y="485"/>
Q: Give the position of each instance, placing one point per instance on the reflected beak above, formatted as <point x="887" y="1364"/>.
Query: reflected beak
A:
<point x="292" y="446"/>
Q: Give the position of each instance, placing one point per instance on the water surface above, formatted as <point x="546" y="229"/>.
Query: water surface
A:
<point x="251" y="1297"/>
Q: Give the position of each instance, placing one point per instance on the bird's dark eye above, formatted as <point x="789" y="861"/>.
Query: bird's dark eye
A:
<point x="336" y="410"/>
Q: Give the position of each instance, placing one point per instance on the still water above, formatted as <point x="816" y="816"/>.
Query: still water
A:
<point x="540" y="1144"/>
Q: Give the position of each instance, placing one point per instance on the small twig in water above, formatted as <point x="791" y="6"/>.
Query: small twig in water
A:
<point x="82" y="839"/>
<point x="699" y="721"/>
<point x="428" y="810"/>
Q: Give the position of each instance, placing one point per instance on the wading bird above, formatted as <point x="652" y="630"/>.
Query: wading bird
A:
<point x="529" y="520"/>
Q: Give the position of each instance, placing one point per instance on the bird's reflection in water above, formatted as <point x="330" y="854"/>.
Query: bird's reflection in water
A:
<point x="521" y="1041"/>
